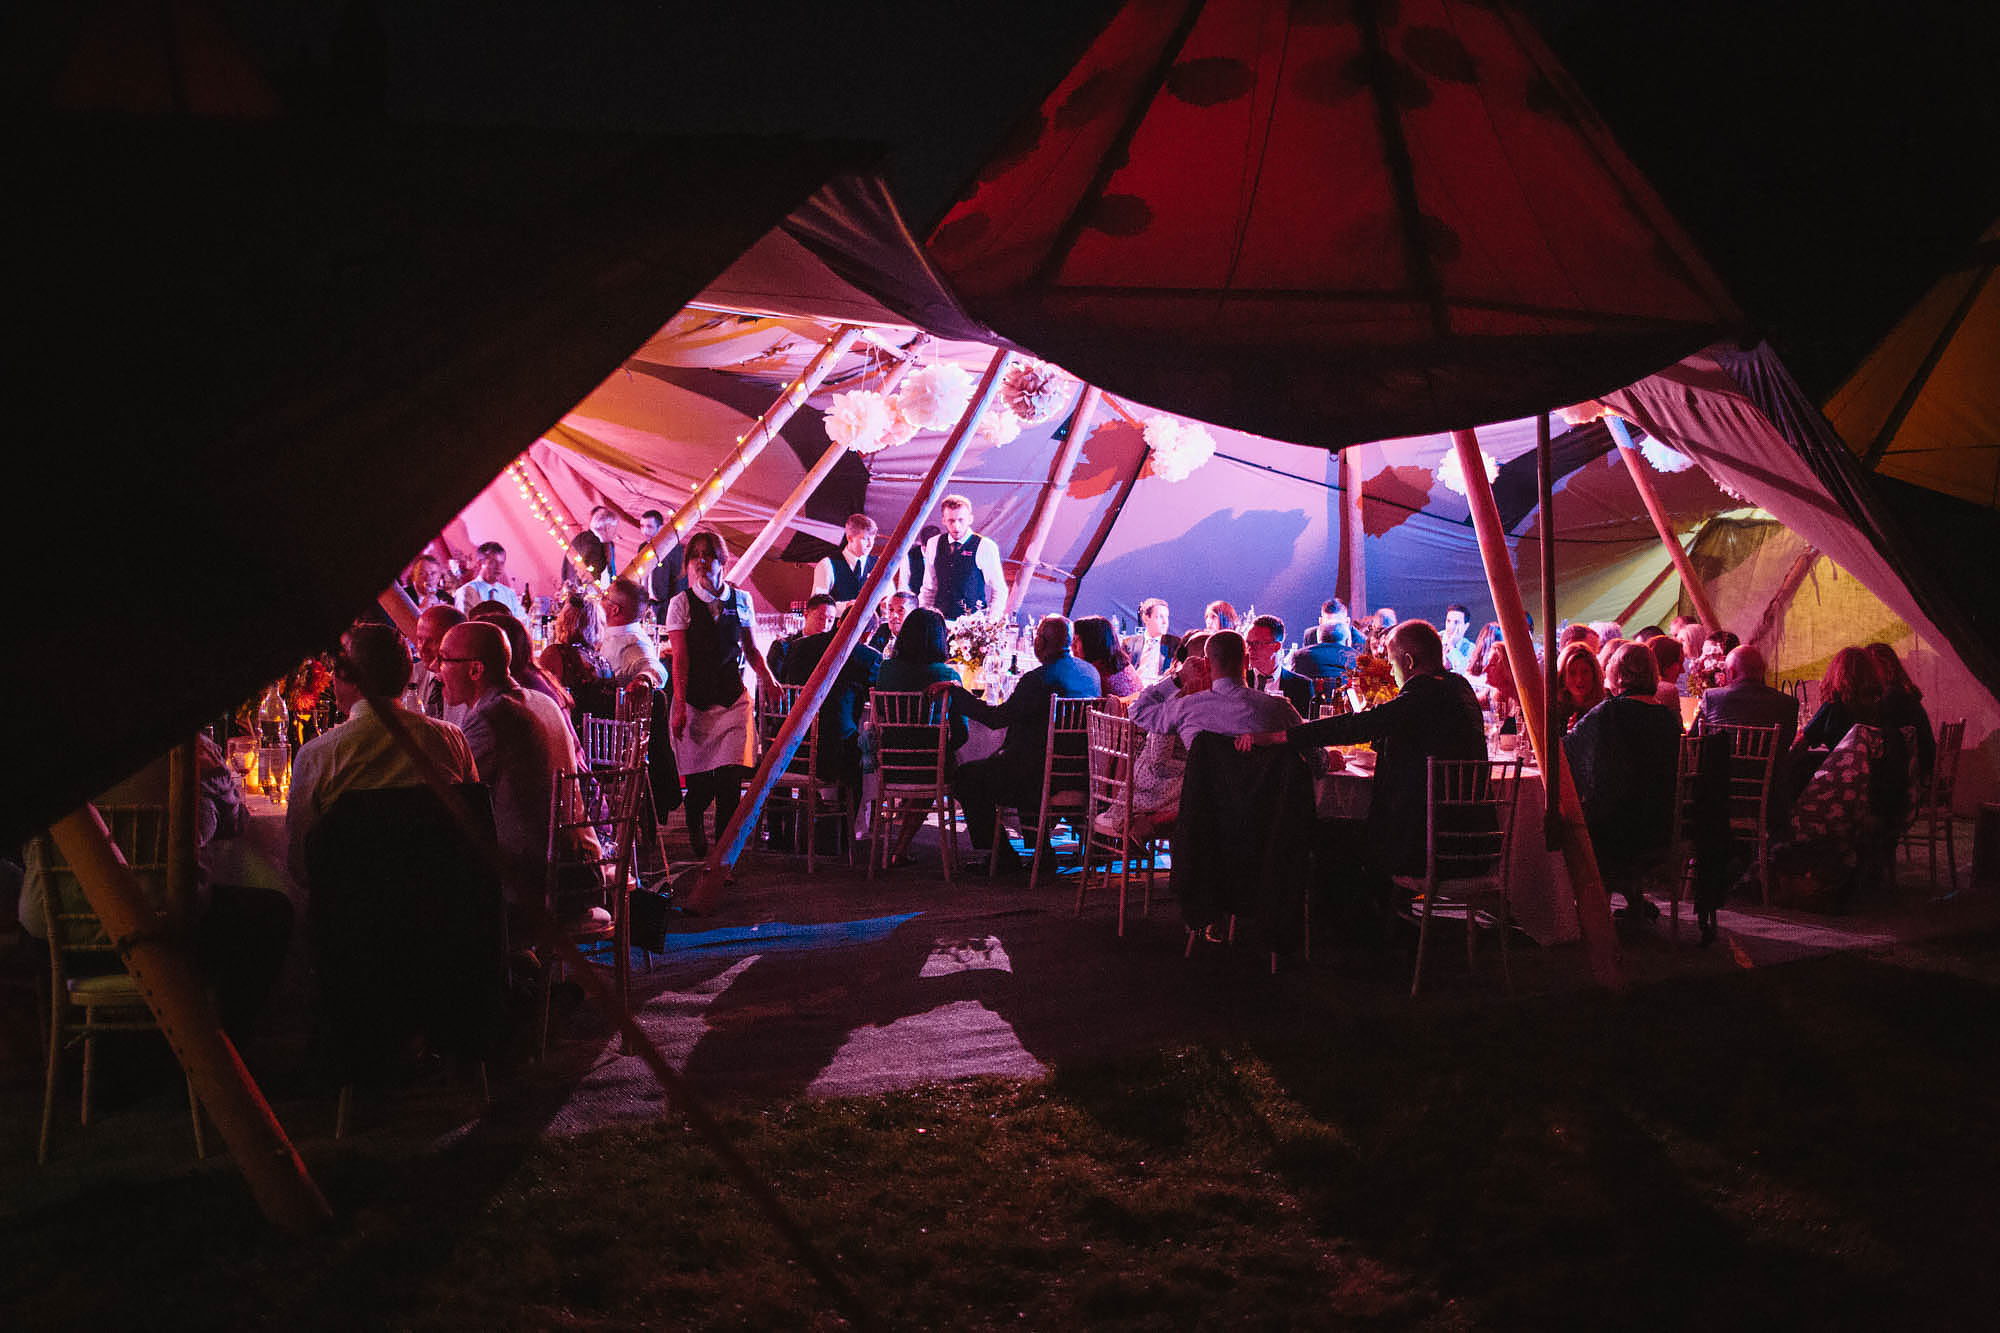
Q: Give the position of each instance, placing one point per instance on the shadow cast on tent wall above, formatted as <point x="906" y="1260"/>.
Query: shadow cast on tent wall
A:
<point x="1218" y="557"/>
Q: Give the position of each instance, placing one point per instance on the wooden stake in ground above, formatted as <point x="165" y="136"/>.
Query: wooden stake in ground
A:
<point x="730" y="845"/>
<point x="1593" y="906"/>
<point x="775" y="526"/>
<point x="1642" y="478"/>
<point x="167" y="982"/>
<point x="1036" y="537"/>
<point x="760" y="434"/>
<point x="1352" y="534"/>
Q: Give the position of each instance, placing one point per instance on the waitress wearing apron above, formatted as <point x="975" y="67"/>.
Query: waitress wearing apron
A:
<point x="708" y="627"/>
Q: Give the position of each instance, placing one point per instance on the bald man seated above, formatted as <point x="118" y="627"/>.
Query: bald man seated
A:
<point x="1744" y="700"/>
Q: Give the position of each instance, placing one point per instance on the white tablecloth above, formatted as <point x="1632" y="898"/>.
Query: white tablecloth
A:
<point x="1539" y="880"/>
<point x="256" y="857"/>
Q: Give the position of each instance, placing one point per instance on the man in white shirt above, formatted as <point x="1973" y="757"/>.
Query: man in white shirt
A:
<point x="1228" y="706"/>
<point x="1152" y="649"/>
<point x="961" y="567"/>
<point x="1457" y="647"/>
<point x="432" y="626"/>
<point x="628" y="649"/>
<point x="486" y="584"/>
<point x="360" y="754"/>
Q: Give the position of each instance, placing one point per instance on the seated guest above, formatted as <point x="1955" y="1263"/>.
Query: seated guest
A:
<point x="1577" y="634"/>
<point x="1667" y="659"/>
<point x="840" y="714"/>
<point x="1692" y="636"/>
<point x="1624" y="753"/>
<point x="573" y="662"/>
<point x="1162" y="764"/>
<point x="1228" y="706"/>
<point x="1014" y="775"/>
<point x="1457" y="646"/>
<point x="1579" y="684"/>
<point x="1152" y="649"/>
<point x="424" y="581"/>
<point x="1744" y="700"/>
<point x="1434" y="715"/>
<point x="487" y="583"/>
<point x="1385" y="617"/>
<point x="1903" y="705"/>
<point x="1332" y="647"/>
<point x="1606" y="631"/>
<point x="240" y="932"/>
<point x="635" y="666"/>
<point x="820" y="608"/>
<point x="1097" y="643"/>
<point x="1483" y="649"/>
<point x="896" y="609"/>
<point x="1853" y="695"/>
<point x="521" y="664"/>
<point x="369" y="676"/>
<point x="432" y="626"/>
<point x="920" y="660"/>
<point x="1218" y="615"/>
<point x="1608" y="650"/>
<point x="1190" y="647"/>
<point x="1265" y="639"/>
<point x="515" y="755"/>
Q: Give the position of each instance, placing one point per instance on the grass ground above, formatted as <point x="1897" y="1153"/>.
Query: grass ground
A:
<point x="1801" y="1146"/>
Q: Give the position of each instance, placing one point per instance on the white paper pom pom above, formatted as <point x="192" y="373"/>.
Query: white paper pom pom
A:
<point x="999" y="426"/>
<point x="1662" y="457"/>
<point x="901" y="428"/>
<point x="861" y="420"/>
<point x="1453" y="476"/>
<point x="1179" y="447"/>
<point x="935" y="396"/>
<point x="1036" y="391"/>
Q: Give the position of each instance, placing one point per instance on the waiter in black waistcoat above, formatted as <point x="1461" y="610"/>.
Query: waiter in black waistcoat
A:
<point x="669" y="572"/>
<point x="961" y="567"/>
<point x="841" y="574"/>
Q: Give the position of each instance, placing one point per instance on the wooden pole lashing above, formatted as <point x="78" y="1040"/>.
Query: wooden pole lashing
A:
<point x="168" y="984"/>
<point x="1593" y="905"/>
<point x="1044" y="518"/>
<point x="732" y="466"/>
<point x="730" y="845"/>
<point x="1642" y="478"/>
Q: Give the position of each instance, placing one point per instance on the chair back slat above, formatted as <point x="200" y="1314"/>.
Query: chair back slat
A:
<point x="1753" y="760"/>
<point x="611" y="742"/>
<point x="771" y="715"/>
<point x="912" y="738"/>
<point x="140" y="834"/>
<point x="1113" y="753"/>
<point x="1470" y="807"/>
<point x="1944" y="770"/>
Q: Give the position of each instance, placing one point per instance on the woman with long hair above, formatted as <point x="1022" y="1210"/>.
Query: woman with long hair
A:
<point x="1218" y="615"/>
<point x="521" y="663"/>
<point x="1903" y="705"/>
<point x="1850" y="692"/>
<point x="920" y="659"/>
<point x="1579" y="684"/>
<point x="1097" y="643"/>
<point x="571" y="658"/>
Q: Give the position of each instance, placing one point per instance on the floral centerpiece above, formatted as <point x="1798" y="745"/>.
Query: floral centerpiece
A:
<point x="1705" y="673"/>
<point x="975" y="639"/>
<point x="1372" y="679"/>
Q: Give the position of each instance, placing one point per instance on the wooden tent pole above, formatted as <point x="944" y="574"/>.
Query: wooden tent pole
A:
<point x="1788" y="587"/>
<point x="1642" y="478"/>
<point x="1551" y="745"/>
<point x="1029" y="559"/>
<point x="170" y="988"/>
<point x="747" y="448"/>
<point x="774" y="527"/>
<point x="1626" y="615"/>
<point x="846" y="635"/>
<point x="401" y="609"/>
<point x="1593" y="906"/>
<point x="1352" y="532"/>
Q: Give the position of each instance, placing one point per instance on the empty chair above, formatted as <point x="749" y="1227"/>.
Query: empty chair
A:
<point x="912" y="746"/>
<point x="90" y="992"/>
<point x="1933" y="818"/>
<point x="1065" y="777"/>
<point x="804" y="785"/>
<point x="1754" y="759"/>
<point x="594" y="824"/>
<point x="1469" y="807"/>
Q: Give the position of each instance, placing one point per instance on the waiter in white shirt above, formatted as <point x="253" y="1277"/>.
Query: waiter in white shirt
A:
<point x="485" y="585"/>
<point x="961" y="567"/>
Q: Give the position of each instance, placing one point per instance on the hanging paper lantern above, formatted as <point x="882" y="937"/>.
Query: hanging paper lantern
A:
<point x="1036" y="391"/>
<point x="1178" y="447"/>
<point x="861" y="420"/>
<point x="1663" y="458"/>
<point x="1453" y="476"/>
<point x="901" y="428"/>
<point x="935" y="396"/>
<point x="999" y="426"/>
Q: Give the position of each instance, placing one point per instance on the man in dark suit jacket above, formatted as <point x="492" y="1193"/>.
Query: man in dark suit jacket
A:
<point x="1015" y="774"/>
<point x="840" y="715"/>
<point x="668" y="574"/>
<point x="1152" y="649"/>
<point x="1265" y="637"/>
<point x="1746" y="701"/>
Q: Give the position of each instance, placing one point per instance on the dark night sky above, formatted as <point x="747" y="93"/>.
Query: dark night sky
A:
<point x="1829" y="157"/>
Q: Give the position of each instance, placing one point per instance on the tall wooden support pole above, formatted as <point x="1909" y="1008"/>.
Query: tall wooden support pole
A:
<point x="170" y="988"/>
<point x="1642" y="478"/>
<point x="848" y="633"/>
<point x="1593" y="906"/>
<point x="401" y="609"/>
<point x="1788" y="587"/>
<point x="760" y="434"/>
<point x="1029" y="559"/>
<point x="183" y="831"/>
<point x="1351" y="535"/>
<point x="774" y="527"/>
<point x="1551" y="744"/>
